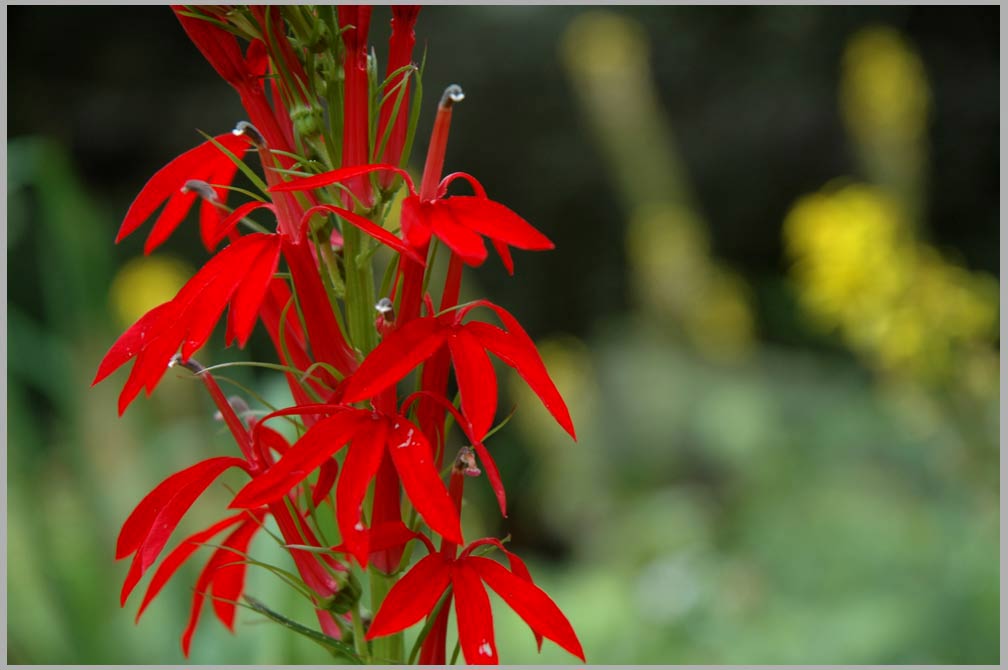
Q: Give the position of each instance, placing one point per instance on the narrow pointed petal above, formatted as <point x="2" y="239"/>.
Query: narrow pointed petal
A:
<point x="233" y="219"/>
<point x="228" y="582"/>
<point x="318" y="444"/>
<point x="496" y="221"/>
<point x="249" y="295"/>
<point x="336" y="176"/>
<point x="505" y="255"/>
<point x="197" y="163"/>
<point x="148" y="528"/>
<point x="171" y="216"/>
<point x="412" y="597"/>
<point x="399" y="352"/>
<point x="137" y="526"/>
<point x="372" y="229"/>
<point x="530" y="603"/>
<point x="475" y="618"/>
<point x="493" y="476"/>
<point x="460" y="238"/>
<point x="178" y="556"/>
<point x="221" y="557"/>
<point x="131" y="342"/>
<point x="477" y="381"/>
<point x="328" y="472"/>
<point x="411" y="454"/>
<point x="359" y="468"/>
<point x="516" y="348"/>
<point x="434" y="645"/>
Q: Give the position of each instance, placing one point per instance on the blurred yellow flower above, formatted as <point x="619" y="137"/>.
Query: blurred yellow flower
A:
<point x="145" y="282"/>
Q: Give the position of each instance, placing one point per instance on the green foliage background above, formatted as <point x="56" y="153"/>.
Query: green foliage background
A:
<point x="758" y="479"/>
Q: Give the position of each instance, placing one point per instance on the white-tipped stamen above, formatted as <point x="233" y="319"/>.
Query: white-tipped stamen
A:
<point x="250" y="131"/>
<point x="386" y="309"/>
<point x="203" y="189"/>
<point x="451" y="95"/>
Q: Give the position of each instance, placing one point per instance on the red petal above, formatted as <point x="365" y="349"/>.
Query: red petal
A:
<point x="375" y="231"/>
<point x="496" y="221"/>
<point x="249" y="295"/>
<point x="415" y="225"/>
<point x="516" y="348"/>
<point x="493" y="476"/>
<point x="131" y="342"/>
<point x="505" y="255"/>
<point x="219" y="558"/>
<point x="343" y="174"/>
<point x="459" y="238"/>
<point x="229" y="579"/>
<point x="399" y="352"/>
<point x="323" y="440"/>
<point x="179" y="555"/>
<point x="413" y="596"/>
<point x="224" y="226"/>
<point x="530" y="603"/>
<point x="477" y="381"/>
<point x="411" y="454"/>
<point x="328" y="472"/>
<point x="167" y="182"/>
<point x="359" y="468"/>
<point x="171" y="216"/>
<point x="475" y="618"/>
<point x="148" y="528"/>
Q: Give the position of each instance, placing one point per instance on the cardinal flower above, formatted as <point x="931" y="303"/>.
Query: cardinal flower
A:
<point x="418" y="592"/>
<point x="370" y="435"/>
<point x="458" y="221"/>
<point x="419" y="339"/>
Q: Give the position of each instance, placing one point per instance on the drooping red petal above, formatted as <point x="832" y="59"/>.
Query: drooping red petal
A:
<point x="171" y="216"/>
<point x="131" y="342"/>
<point x="147" y="529"/>
<point x="505" y="255"/>
<point x="340" y="175"/>
<point x="217" y="45"/>
<point x="359" y="468"/>
<point x="412" y="597"/>
<point x="518" y="567"/>
<point x="323" y="440"/>
<point x="399" y="352"/>
<point x="249" y="295"/>
<point x="152" y="361"/>
<point x="411" y="454"/>
<point x="228" y="581"/>
<point x="475" y="618"/>
<point x="517" y="349"/>
<point x="493" y="476"/>
<point x="415" y="226"/>
<point x="433" y="650"/>
<point x="530" y="603"/>
<point x="328" y="472"/>
<point x="225" y="225"/>
<point x="174" y="560"/>
<point x="460" y="238"/>
<point x="197" y="163"/>
<point x="477" y="380"/>
<point x="239" y="538"/>
<point x="496" y="221"/>
<point x="366" y="225"/>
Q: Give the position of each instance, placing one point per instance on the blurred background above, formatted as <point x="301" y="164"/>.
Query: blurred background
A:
<point x="773" y="311"/>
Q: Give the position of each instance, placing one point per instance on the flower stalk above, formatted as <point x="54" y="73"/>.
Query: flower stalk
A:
<point x="331" y="141"/>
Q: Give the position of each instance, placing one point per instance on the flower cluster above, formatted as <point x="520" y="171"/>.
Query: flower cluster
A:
<point x="332" y="140"/>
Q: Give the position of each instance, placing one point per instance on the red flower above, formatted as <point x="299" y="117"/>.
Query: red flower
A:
<point x="458" y="221"/>
<point x="177" y="184"/>
<point x="370" y="435"/>
<point x="418" y="591"/>
<point x="418" y="340"/>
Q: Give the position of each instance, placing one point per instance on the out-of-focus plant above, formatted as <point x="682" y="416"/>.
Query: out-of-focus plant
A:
<point x="861" y="263"/>
<point x="674" y="274"/>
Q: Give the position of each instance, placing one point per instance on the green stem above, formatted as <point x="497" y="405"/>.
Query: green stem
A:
<point x="360" y="644"/>
<point x="388" y="649"/>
